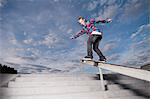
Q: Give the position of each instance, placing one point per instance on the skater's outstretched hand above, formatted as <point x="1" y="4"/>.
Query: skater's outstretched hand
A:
<point x="72" y="37"/>
<point x="108" y="20"/>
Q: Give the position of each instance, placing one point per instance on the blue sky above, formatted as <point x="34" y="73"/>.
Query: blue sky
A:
<point x="35" y="34"/>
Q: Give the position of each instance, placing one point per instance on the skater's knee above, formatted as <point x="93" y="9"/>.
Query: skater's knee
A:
<point x="89" y="44"/>
<point x="95" y="49"/>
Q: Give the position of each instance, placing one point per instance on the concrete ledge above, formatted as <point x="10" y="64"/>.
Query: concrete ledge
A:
<point x="132" y="72"/>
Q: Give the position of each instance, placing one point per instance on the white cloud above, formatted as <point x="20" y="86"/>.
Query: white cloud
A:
<point x="140" y="30"/>
<point x="69" y="31"/>
<point x="10" y="48"/>
<point x="138" y="52"/>
<point x="49" y="40"/>
<point x="63" y="27"/>
<point x="111" y="2"/>
<point x="108" y="12"/>
<point x="7" y="43"/>
<point x="91" y="5"/>
<point x="109" y="46"/>
<point x="56" y="0"/>
<point x="2" y="2"/>
<point x="9" y="55"/>
<point x="102" y="2"/>
<point x="135" y="57"/>
<point x="35" y="51"/>
<point x="114" y="57"/>
<point x="134" y="8"/>
<point x="43" y="17"/>
<point x="12" y="39"/>
<point x="24" y="33"/>
<point x="108" y="8"/>
<point x="117" y="8"/>
<point x="15" y="59"/>
<point x="28" y="41"/>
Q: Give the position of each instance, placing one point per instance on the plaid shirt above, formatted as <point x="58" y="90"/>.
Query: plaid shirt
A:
<point x="89" y="27"/>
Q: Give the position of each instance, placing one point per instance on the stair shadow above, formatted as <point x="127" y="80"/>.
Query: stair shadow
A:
<point x="114" y="78"/>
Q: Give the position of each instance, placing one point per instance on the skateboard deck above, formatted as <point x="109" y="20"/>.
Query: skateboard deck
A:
<point x="94" y="61"/>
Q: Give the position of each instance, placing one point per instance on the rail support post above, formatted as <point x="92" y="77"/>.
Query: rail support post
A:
<point x="101" y="78"/>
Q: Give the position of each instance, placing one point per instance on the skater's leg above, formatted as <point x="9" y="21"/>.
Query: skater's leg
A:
<point x="96" y="49"/>
<point x="89" y="47"/>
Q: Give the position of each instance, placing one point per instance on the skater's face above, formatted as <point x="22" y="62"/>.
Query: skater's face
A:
<point x="81" y="21"/>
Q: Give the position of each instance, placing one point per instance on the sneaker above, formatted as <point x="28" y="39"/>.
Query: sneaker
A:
<point x="102" y="59"/>
<point x="87" y="58"/>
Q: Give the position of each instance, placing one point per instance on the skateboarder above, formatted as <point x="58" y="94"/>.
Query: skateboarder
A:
<point x="95" y="35"/>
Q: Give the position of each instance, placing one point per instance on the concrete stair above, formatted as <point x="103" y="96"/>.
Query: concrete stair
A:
<point x="91" y="83"/>
<point x="49" y="79"/>
<point x="55" y="83"/>
<point x="79" y="86"/>
<point x="83" y="95"/>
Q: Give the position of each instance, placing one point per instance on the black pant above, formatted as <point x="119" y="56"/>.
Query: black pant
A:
<point x="94" y="41"/>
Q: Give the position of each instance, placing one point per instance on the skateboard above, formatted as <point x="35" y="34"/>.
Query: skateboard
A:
<point x="95" y="63"/>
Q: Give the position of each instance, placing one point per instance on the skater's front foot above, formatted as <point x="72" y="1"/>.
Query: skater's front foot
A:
<point x="102" y="59"/>
<point x="88" y="58"/>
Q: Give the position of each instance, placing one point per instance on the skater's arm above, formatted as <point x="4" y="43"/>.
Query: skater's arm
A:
<point x="103" y="21"/>
<point x="81" y="32"/>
